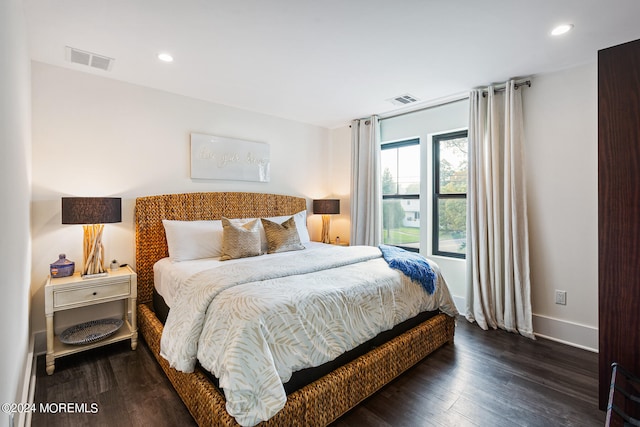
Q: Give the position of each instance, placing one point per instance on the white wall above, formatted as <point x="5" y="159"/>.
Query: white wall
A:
<point x="93" y="136"/>
<point x="340" y="181"/>
<point x="15" y="171"/>
<point x="561" y="128"/>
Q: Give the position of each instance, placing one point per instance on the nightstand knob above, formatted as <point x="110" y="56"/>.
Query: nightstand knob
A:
<point x="95" y="293"/>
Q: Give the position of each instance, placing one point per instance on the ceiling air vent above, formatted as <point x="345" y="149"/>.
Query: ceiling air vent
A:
<point x="90" y="59"/>
<point x="403" y="99"/>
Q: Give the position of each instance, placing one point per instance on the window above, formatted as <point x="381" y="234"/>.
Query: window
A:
<point x="450" y="164"/>
<point x="400" y="164"/>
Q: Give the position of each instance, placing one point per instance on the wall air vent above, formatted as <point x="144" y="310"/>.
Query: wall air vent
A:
<point x="403" y="99"/>
<point x="90" y="59"/>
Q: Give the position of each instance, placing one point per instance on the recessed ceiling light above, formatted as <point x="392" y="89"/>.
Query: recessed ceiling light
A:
<point x="165" y="57"/>
<point x="561" y="29"/>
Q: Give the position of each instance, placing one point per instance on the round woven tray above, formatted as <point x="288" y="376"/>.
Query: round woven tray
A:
<point x="90" y="332"/>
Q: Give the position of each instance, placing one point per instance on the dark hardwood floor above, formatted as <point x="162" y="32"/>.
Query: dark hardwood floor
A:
<point x="484" y="379"/>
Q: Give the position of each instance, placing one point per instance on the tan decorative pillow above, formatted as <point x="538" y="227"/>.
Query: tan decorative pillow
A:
<point x="240" y="240"/>
<point x="281" y="237"/>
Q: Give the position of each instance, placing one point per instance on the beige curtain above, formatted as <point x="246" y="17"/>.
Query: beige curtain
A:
<point x="366" y="187"/>
<point x="499" y="287"/>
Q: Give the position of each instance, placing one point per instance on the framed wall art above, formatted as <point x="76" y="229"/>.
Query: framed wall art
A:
<point x="215" y="157"/>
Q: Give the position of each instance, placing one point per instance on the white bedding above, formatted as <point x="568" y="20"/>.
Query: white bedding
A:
<point x="252" y="322"/>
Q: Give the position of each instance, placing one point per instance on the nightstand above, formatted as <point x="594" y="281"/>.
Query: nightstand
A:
<point x="66" y="293"/>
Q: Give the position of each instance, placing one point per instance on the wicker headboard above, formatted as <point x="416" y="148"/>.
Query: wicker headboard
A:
<point x="151" y="243"/>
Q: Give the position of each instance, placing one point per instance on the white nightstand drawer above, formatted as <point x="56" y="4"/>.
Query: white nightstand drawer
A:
<point x="96" y="293"/>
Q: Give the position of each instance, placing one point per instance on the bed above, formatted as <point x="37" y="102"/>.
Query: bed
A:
<point x="317" y="403"/>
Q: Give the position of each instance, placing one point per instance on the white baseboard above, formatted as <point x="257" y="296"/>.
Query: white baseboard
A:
<point x="566" y="332"/>
<point x="27" y="391"/>
<point x="559" y="330"/>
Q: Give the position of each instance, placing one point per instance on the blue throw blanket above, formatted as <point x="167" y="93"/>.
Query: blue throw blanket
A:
<point x="413" y="265"/>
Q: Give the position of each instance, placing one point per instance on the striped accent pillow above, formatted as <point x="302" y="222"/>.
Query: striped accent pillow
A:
<point x="281" y="237"/>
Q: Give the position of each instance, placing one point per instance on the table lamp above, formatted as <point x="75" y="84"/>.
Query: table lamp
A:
<point x="93" y="213"/>
<point x="326" y="207"/>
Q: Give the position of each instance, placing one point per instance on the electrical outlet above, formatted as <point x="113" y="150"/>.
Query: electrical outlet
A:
<point x="561" y="297"/>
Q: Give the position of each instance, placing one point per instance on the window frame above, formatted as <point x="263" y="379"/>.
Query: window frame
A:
<point x="416" y="196"/>
<point x="435" y="229"/>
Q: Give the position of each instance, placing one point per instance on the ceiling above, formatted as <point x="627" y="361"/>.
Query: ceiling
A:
<point x="326" y="62"/>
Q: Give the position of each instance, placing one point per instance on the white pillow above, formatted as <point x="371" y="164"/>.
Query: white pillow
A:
<point x="188" y="240"/>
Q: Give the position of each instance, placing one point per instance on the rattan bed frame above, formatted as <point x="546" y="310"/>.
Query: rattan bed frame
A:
<point x="316" y="404"/>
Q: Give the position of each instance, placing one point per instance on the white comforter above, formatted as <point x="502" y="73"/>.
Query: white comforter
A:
<point x="252" y="324"/>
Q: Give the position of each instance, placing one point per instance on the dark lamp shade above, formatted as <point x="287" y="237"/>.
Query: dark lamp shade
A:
<point x="91" y="210"/>
<point x="326" y="206"/>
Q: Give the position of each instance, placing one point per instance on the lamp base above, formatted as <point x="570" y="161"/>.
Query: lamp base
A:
<point x="93" y="250"/>
<point x="326" y="224"/>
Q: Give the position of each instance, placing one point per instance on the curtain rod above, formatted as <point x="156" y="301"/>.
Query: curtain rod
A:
<point x="502" y="88"/>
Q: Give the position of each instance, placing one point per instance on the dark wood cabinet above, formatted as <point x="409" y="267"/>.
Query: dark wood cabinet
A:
<point x="618" y="210"/>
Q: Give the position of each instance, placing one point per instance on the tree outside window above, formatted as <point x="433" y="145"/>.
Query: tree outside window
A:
<point x="400" y="163"/>
<point x="450" y="168"/>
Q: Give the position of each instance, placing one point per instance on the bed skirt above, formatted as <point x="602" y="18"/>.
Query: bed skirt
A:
<point x="316" y="404"/>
